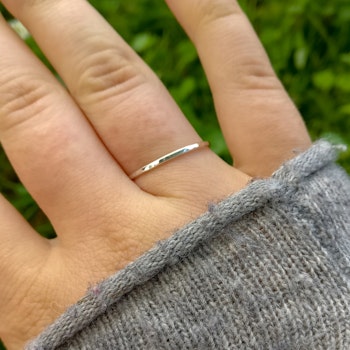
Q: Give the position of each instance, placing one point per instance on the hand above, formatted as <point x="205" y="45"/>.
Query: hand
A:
<point x="74" y="150"/>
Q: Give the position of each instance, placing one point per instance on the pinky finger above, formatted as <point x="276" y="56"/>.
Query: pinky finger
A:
<point x="260" y="123"/>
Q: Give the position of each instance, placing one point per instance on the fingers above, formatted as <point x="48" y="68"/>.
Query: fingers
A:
<point x="20" y="245"/>
<point x="260" y="123"/>
<point x="128" y="106"/>
<point x="48" y="140"/>
<point x="22" y="255"/>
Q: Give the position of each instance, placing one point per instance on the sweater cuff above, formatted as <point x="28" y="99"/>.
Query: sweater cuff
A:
<point x="233" y="236"/>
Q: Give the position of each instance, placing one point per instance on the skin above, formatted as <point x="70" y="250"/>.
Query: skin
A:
<point x="73" y="149"/>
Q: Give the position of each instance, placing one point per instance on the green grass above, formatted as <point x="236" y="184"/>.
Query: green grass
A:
<point x="308" y="43"/>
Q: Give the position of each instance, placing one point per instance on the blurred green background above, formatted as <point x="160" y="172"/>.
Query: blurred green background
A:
<point x="309" y="45"/>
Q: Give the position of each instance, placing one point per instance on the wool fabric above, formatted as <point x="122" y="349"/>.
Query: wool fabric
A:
<point x="267" y="268"/>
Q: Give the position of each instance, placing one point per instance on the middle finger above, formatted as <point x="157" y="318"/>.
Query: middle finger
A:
<point x="48" y="140"/>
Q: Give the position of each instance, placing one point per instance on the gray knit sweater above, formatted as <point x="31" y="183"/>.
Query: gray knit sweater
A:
<point x="267" y="268"/>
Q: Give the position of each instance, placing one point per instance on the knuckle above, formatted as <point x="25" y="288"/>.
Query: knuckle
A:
<point x="212" y="11"/>
<point x="105" y="73"/>
<point x="22" y="8"/>
<point x="21" y="99"/>
<point x="257" y="76"/>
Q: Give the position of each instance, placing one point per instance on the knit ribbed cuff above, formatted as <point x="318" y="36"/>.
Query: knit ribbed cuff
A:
<point x="282" y="186"/>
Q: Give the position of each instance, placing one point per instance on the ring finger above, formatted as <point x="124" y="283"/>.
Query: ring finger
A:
<point x="128" y="106"/>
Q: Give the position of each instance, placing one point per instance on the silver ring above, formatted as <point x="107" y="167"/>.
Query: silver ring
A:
<point x="168" y="157"/>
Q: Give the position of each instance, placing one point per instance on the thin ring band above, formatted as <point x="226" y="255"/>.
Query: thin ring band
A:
<point x="167" y="158"/>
